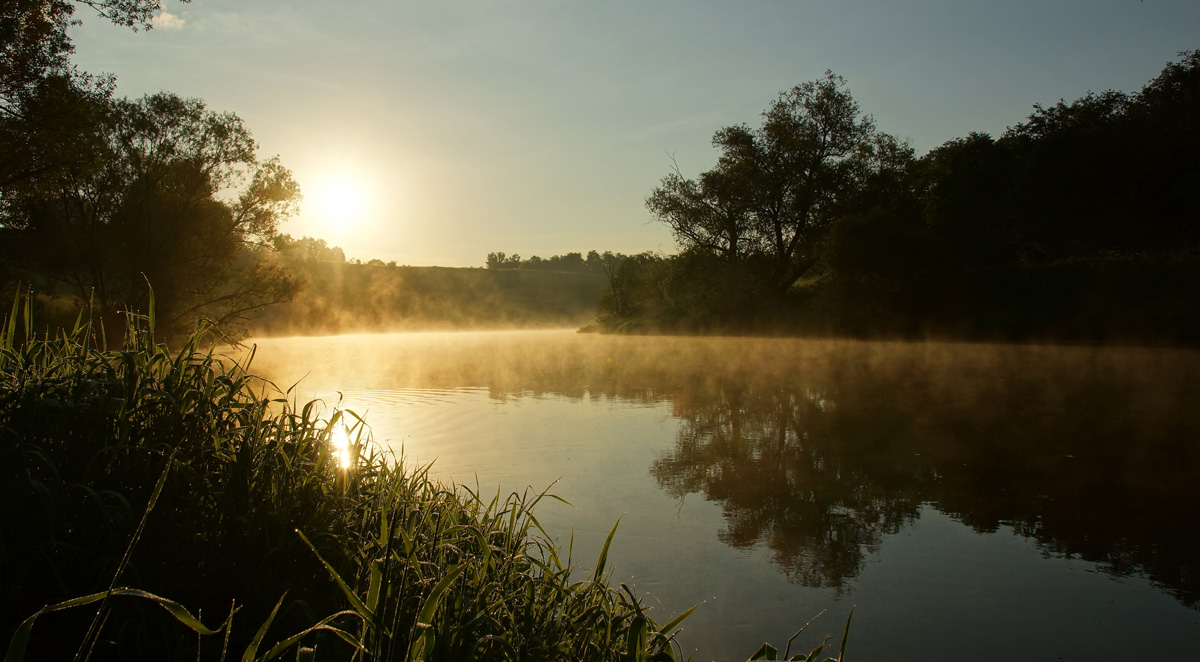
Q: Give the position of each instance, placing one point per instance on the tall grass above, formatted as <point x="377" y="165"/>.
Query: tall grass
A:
<point x="169" y="505"/>
<point x="182" y="475"/>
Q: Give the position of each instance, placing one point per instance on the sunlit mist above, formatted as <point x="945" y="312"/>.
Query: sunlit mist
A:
<point x="794" y="471"/>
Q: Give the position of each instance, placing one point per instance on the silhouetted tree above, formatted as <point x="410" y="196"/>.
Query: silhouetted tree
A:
<point x="308" y="249"/>
<point x="776" y="190"/>
<point x="46" y="104"/>
<point x="632" y="283"/>
<point x="495" y="260"/>
<point x="158" y="211"/>
<point x="502" y="261"/>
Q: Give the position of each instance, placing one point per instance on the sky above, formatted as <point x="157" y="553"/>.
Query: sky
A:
<point x="436" y="132"/>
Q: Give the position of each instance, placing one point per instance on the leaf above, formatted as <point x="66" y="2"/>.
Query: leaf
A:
<point x="787" y="649"/>
<point x="177" y="610"/>
<point x="431" y="602"/>
<point x="766" y="652"/>
<point x="357" y="603"/>
<point x="635" y="645"/>
<point x="845" y="636"/>
<point x="11" y="325"/>
<point x="150" y="315"/>
<point x="323" y="625"/>
<point x="600" y="563"/>
<point x="20" y="638"/>
<point x="375" y="584"/>
<point x="674" y="623"/>
<point x="812" y="656"/>
<point x="252" y="649"/>
<point x="424" y="641"/>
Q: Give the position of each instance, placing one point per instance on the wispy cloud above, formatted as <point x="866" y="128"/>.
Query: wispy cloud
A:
<point x="168" y="21"/>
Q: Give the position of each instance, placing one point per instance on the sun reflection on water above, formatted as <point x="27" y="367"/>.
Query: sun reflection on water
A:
<point x="339" y="440"/>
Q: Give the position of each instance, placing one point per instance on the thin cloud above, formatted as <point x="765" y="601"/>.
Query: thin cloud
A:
<point x="168" y="21"/>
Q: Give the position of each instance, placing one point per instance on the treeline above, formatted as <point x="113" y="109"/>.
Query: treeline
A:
<point x="120" y="206"/>
<point x="595" y="262"/>
<point x="1079" y="223"/>
<point x="341" y="296"/>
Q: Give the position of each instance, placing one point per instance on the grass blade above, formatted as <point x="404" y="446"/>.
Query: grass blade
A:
<point x="252" y="649"/>
<point x="20" y="639"/>
<point x="674" y="622"/>
<point x="357" y="603"/>
<point x="845" y="636"/>
<point x="322" y="626"/>
<point x="424" y="641"/>
<point x="598" y="572"/>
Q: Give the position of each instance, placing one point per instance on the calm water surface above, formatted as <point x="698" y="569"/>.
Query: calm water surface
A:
<point x="980" y="502"/>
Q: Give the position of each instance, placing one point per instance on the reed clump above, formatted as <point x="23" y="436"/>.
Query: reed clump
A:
<point x="170" y="505"/>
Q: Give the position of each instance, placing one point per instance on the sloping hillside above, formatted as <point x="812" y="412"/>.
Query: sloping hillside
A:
<point x="344" y="297"/>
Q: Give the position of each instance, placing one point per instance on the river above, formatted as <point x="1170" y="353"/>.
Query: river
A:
<point x="969" y="501"/>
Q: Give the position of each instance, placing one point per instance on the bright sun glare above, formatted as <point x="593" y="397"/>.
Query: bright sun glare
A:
<point x="339" y="439"/>
<point x="341" y="200"/>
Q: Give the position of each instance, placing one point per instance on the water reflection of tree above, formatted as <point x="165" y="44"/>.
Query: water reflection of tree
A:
<point x="1087" y="459"/>
<point x="819" y="450"/>
<point x="785" y="477"/>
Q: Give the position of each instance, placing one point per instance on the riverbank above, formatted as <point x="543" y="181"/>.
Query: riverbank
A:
<point x="1140" y="300"/>
<point x="147" y="478"/>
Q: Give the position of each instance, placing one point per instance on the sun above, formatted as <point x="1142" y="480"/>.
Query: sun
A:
<point x="341" y="200"/>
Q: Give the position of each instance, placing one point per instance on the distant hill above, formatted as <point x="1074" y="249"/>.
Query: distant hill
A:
<point x="341" y="297"/>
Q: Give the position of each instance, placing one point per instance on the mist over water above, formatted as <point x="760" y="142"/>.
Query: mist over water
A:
<point x="978" y="501"/>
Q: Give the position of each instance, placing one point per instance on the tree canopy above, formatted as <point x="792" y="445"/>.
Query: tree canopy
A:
<point x="103" y="198"/>
<point x="45" y="101"/>
<point x="182" y="202"/>
<point x="777" y="189"/>
<point x="1079" y="222"/>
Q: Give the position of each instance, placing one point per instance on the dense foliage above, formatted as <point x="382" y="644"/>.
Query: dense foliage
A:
<point x="99" y="194"/>
<point x="46" y="104"/>
<point x="159" y="210"/>
<point x="1080" y="223"/>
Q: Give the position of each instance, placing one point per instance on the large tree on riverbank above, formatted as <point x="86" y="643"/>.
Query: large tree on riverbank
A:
<point x="777" y="189"/>
<point x="182" y="202"/>
<point x="99" y="196"/>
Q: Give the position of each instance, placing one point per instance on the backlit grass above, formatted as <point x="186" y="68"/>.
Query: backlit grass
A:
<point x="169" y="505"/>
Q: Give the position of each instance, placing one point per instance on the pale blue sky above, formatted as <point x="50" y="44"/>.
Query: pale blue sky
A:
<point x="539" y="127"/>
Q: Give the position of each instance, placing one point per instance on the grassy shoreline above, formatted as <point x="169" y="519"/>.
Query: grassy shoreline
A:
<point x="208" y="516"/>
